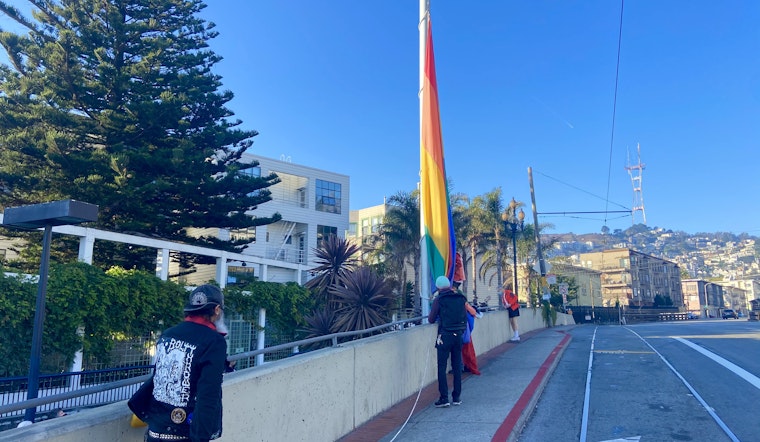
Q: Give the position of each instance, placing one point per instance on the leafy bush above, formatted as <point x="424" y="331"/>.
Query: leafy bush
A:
<point x="116" y="303"/>
<point x="548" y="313"/>
<point x="286" y="304"/>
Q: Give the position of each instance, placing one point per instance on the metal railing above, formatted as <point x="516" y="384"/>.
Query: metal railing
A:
<point x="102" y="394"/>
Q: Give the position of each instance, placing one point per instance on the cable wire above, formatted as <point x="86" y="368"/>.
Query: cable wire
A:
<point x="584" y="191"/>
<point x="414" y="406"/>
<point x="614" y="102"/>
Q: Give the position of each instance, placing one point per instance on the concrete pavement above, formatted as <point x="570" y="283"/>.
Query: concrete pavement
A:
<point x="495" y="405"/>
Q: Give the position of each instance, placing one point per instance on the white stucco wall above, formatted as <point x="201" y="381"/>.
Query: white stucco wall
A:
<point x="316" y="396"/>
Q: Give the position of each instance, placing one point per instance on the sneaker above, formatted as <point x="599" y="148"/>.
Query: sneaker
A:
<point x="442" y="403"/>
<point x="457" y="402"/>
<point x="515" y="339"/>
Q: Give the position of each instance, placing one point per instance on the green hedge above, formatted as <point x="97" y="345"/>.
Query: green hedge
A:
<point x="117" y="304"/>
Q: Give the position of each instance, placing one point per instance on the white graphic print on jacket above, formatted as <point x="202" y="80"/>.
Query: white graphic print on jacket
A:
<point x="171" y="383"/>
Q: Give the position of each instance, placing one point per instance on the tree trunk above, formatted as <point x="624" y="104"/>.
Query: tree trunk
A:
<point x="474" y="251"/>
<point x="464" y="265"/>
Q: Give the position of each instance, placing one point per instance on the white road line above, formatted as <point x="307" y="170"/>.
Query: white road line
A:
<point x="742" y="373"/>
<point x="707" y="407"/>
<point x="587" y="396"/>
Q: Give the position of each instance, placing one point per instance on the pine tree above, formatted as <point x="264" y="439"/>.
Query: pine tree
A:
<point x="114" y="102"/>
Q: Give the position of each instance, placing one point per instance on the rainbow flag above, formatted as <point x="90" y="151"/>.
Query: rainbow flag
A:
<point x="437" y="225"/>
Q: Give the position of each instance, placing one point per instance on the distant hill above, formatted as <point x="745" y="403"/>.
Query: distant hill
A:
<point x="713" y="255"/>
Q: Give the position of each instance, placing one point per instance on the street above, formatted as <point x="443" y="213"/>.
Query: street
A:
<point x="693" y="380"/>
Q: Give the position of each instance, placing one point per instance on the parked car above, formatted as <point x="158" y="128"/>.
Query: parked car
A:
<point x="692" y="315"/>
<point x="729" y="313"/>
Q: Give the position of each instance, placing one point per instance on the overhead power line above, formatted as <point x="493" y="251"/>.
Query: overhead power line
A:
<point x="614" y="101"/>
<point x="606" y="200"/>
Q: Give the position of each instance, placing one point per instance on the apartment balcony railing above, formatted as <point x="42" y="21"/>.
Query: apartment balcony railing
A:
<point x="294" y="256"/>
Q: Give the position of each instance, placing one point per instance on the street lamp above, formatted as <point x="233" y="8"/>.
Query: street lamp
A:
<point x="511" y="222"/>
<point x="707" y="301"/>
<point x="35" y="216"/>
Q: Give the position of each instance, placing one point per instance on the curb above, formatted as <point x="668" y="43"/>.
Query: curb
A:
<point x="513" y="424"/>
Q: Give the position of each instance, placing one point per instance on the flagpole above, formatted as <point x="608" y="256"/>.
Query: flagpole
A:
<point x="424" y="278"/>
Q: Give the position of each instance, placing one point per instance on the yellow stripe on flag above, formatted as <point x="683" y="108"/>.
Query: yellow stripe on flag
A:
<point x="434" y="192"/>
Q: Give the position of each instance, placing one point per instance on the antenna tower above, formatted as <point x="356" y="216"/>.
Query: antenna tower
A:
<point x="636" y="172"/>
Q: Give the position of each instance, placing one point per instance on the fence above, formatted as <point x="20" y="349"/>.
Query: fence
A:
<point x="70" y="391"/>
<point x="597" y="315"/>
<point x="633" y="316"/>
<point x="615" y="315"/>
<point x="13" y="391"/>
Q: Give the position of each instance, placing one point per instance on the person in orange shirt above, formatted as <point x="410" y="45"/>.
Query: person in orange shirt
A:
<point x="510" y="301"/>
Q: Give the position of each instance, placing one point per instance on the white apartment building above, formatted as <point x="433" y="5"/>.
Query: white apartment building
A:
<point x="364" y="223"/>
<point x="749" y="290"/>
<point x="752" y="286"/>
<point x="313" y="203"/>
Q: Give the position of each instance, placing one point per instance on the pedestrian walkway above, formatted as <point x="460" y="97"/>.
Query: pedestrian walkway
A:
<point x="495" y="405"/>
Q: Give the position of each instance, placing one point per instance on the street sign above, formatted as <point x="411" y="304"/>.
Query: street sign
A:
<point x="563" y="290"/>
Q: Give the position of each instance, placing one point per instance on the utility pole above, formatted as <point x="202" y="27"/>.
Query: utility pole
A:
<point x="539" y="252"/>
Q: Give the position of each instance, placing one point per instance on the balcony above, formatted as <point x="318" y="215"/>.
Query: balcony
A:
<point x="286" y="254"/>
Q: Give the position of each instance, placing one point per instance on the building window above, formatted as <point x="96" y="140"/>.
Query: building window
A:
<point x="243" y="234"/>
<point x="324" y="231"/>
<point x="251" y="171"/>
<point x="376" y="222"/>
<point x="328" y="196"/>
<point x="352" y="229"/>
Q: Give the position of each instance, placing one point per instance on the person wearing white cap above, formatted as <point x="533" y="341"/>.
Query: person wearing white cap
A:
<point x="183" y="399"/>
<point x="448" y="310"/>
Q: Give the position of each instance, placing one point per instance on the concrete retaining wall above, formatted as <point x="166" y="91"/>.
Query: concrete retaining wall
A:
<point x="316" y="396"/>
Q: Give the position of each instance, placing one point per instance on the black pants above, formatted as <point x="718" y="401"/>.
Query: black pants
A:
<point x="452" y="345"/>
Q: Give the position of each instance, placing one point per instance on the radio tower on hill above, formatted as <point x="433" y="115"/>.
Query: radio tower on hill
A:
<point x="636" y="171"/>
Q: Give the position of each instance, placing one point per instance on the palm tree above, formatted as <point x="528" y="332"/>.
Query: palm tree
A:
<point x="490" y="208"/>
<point x="527" y="253"/>
<point x="462" y="219"/>
<point x="496" y="260"/>
<point x="365" y="301"/>
<point x="400" y="238"/>
<point x="335" y="257"/>
<point x="470" y="233"/>
<point x="319" y="323"/>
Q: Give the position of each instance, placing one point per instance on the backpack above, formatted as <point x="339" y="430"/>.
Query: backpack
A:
<point x="452" y="312"/>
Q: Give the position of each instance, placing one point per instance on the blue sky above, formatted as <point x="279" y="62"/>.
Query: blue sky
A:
<point x="333" y="85"/>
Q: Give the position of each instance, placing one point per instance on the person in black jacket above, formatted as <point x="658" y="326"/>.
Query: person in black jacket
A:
<point x="183" y="399"/>
<point x="449" y="311"/>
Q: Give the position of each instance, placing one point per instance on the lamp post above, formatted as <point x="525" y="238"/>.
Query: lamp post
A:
<point x="511" y="222"/>
<point x="707" y="301"/>
<point x="35" y="216"/>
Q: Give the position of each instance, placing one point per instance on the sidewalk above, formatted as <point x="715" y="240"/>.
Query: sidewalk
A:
<point x="495" y="405"/>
